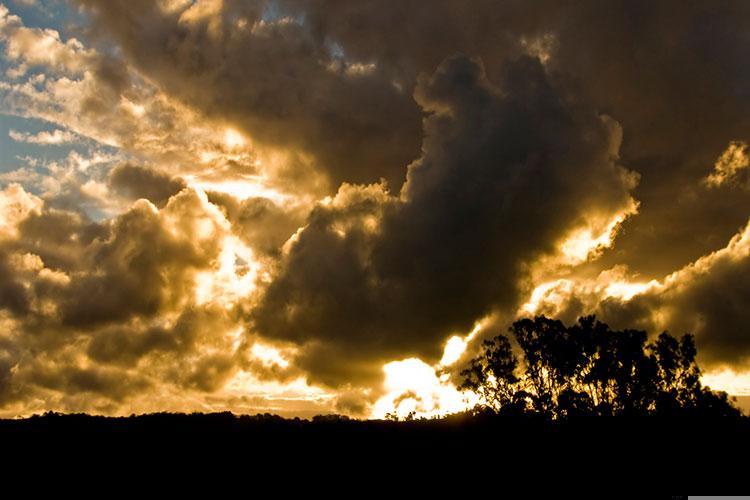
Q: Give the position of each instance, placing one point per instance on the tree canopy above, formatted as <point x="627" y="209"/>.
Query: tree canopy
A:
<point x="587" y="368"/>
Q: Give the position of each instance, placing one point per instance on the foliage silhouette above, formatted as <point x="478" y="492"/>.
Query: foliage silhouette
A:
<point x="588" y="369"/>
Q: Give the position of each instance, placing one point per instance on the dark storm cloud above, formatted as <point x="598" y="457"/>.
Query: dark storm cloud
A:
<point x="123" y="345"/>
<point x="275" y="80"/>
<point x="136" y="181"/>
<point x="373" y="277"/>
<point x="13" y="295"/>
<point x="69" y="378"/>
<point x="673" y="74"/>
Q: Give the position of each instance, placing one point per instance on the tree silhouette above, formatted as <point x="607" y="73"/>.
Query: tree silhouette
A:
<point x="589" y="369"/>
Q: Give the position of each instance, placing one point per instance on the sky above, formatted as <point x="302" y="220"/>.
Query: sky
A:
<point x="324" y="206"/>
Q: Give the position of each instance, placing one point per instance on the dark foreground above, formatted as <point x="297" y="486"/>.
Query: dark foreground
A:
<point x="664" y="455"/>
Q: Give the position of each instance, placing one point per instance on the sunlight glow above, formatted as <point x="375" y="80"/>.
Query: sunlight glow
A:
<point x="734" y="383"/>
<point x="136" y="110"/>
<point x="626" y="291"/>
<point x="734" y="159"/>
<point x="251" y="186"/>
<point x="249" y="394"/>
<point x="268" y="355"/>
<point x="553" y="291"/>
<point x="551" y="296"/>
<point x="233" y="139"/>
<point x="233" y="280"/>
<point x="414" y="386"/>
<point x="590" y="241"/>
<point x="456" y="346"/>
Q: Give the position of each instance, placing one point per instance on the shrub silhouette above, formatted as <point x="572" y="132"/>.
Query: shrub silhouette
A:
<point x="588" y="369"/>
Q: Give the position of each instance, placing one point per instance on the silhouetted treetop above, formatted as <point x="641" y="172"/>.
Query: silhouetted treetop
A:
<point x="589" y="369"/>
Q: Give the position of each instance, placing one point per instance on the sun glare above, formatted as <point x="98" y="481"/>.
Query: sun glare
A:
<point x="412" y="385"/>
<point x="233" y="139"/>
<point x="268" y="355"/>
<point x="233" y="280"/>
<point x="737" y="383"/>
<point x="250" y="186"/>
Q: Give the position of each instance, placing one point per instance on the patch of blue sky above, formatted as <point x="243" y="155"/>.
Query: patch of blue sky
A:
<point x="335" y="50"/>
<point x="12" y="151"/>
<point x="272" y="12"/>
<point x="43" y="14"/>
<point x="54" y="14"/>
<point x="18" y="155"/>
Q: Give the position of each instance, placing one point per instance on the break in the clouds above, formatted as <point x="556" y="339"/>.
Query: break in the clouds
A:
<point x="324" y="206"/>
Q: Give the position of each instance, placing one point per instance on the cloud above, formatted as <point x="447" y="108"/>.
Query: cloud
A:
<point x="730" y="165"/>
<point x="15" y="205"/>
<point x="34" y="47"/>
<point x="679" y="101"/>
<point x="111" y="307"/>
<point x="135" y="181"/>
<point x="260" y="222"/>
<point x="334" y="183"/>
<point x="706" y="298"/>
<point x="275" y="80"/>
<point x="673" y="77"/>
<point x="144" y="263"/>
<point x="55" y="137"/>
<point x="373" y="276"/>
<point x="111" y="104"/>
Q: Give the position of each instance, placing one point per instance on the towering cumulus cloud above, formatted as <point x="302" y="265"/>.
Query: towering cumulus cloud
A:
<point x="373" y="276"/>
<point x="303" y="207"/>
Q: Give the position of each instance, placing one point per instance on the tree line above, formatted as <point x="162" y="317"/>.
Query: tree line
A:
<point x="588" y="369"/>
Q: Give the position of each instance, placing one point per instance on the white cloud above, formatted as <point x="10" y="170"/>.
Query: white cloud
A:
<point x="57" y="136"/>
<point x="41" y="47"/>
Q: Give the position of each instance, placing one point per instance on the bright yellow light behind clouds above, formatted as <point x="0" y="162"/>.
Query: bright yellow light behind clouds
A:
<point x="736" y="383"/>
<point x="456" y="346"/>
<point x="233" y="279"/>
<point x="412" y="385"/>
<point x="589" y="241"/>
<point x="233" y="139"/>
<point x="248" y="187"/>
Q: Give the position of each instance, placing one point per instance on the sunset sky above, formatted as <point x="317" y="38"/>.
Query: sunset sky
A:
<point x="304" y="207"/>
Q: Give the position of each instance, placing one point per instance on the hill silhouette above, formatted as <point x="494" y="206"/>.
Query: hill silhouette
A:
<point x="647" y="455"/>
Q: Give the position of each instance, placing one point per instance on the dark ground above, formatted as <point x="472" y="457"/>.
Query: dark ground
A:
<point x="654" y="455"/>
